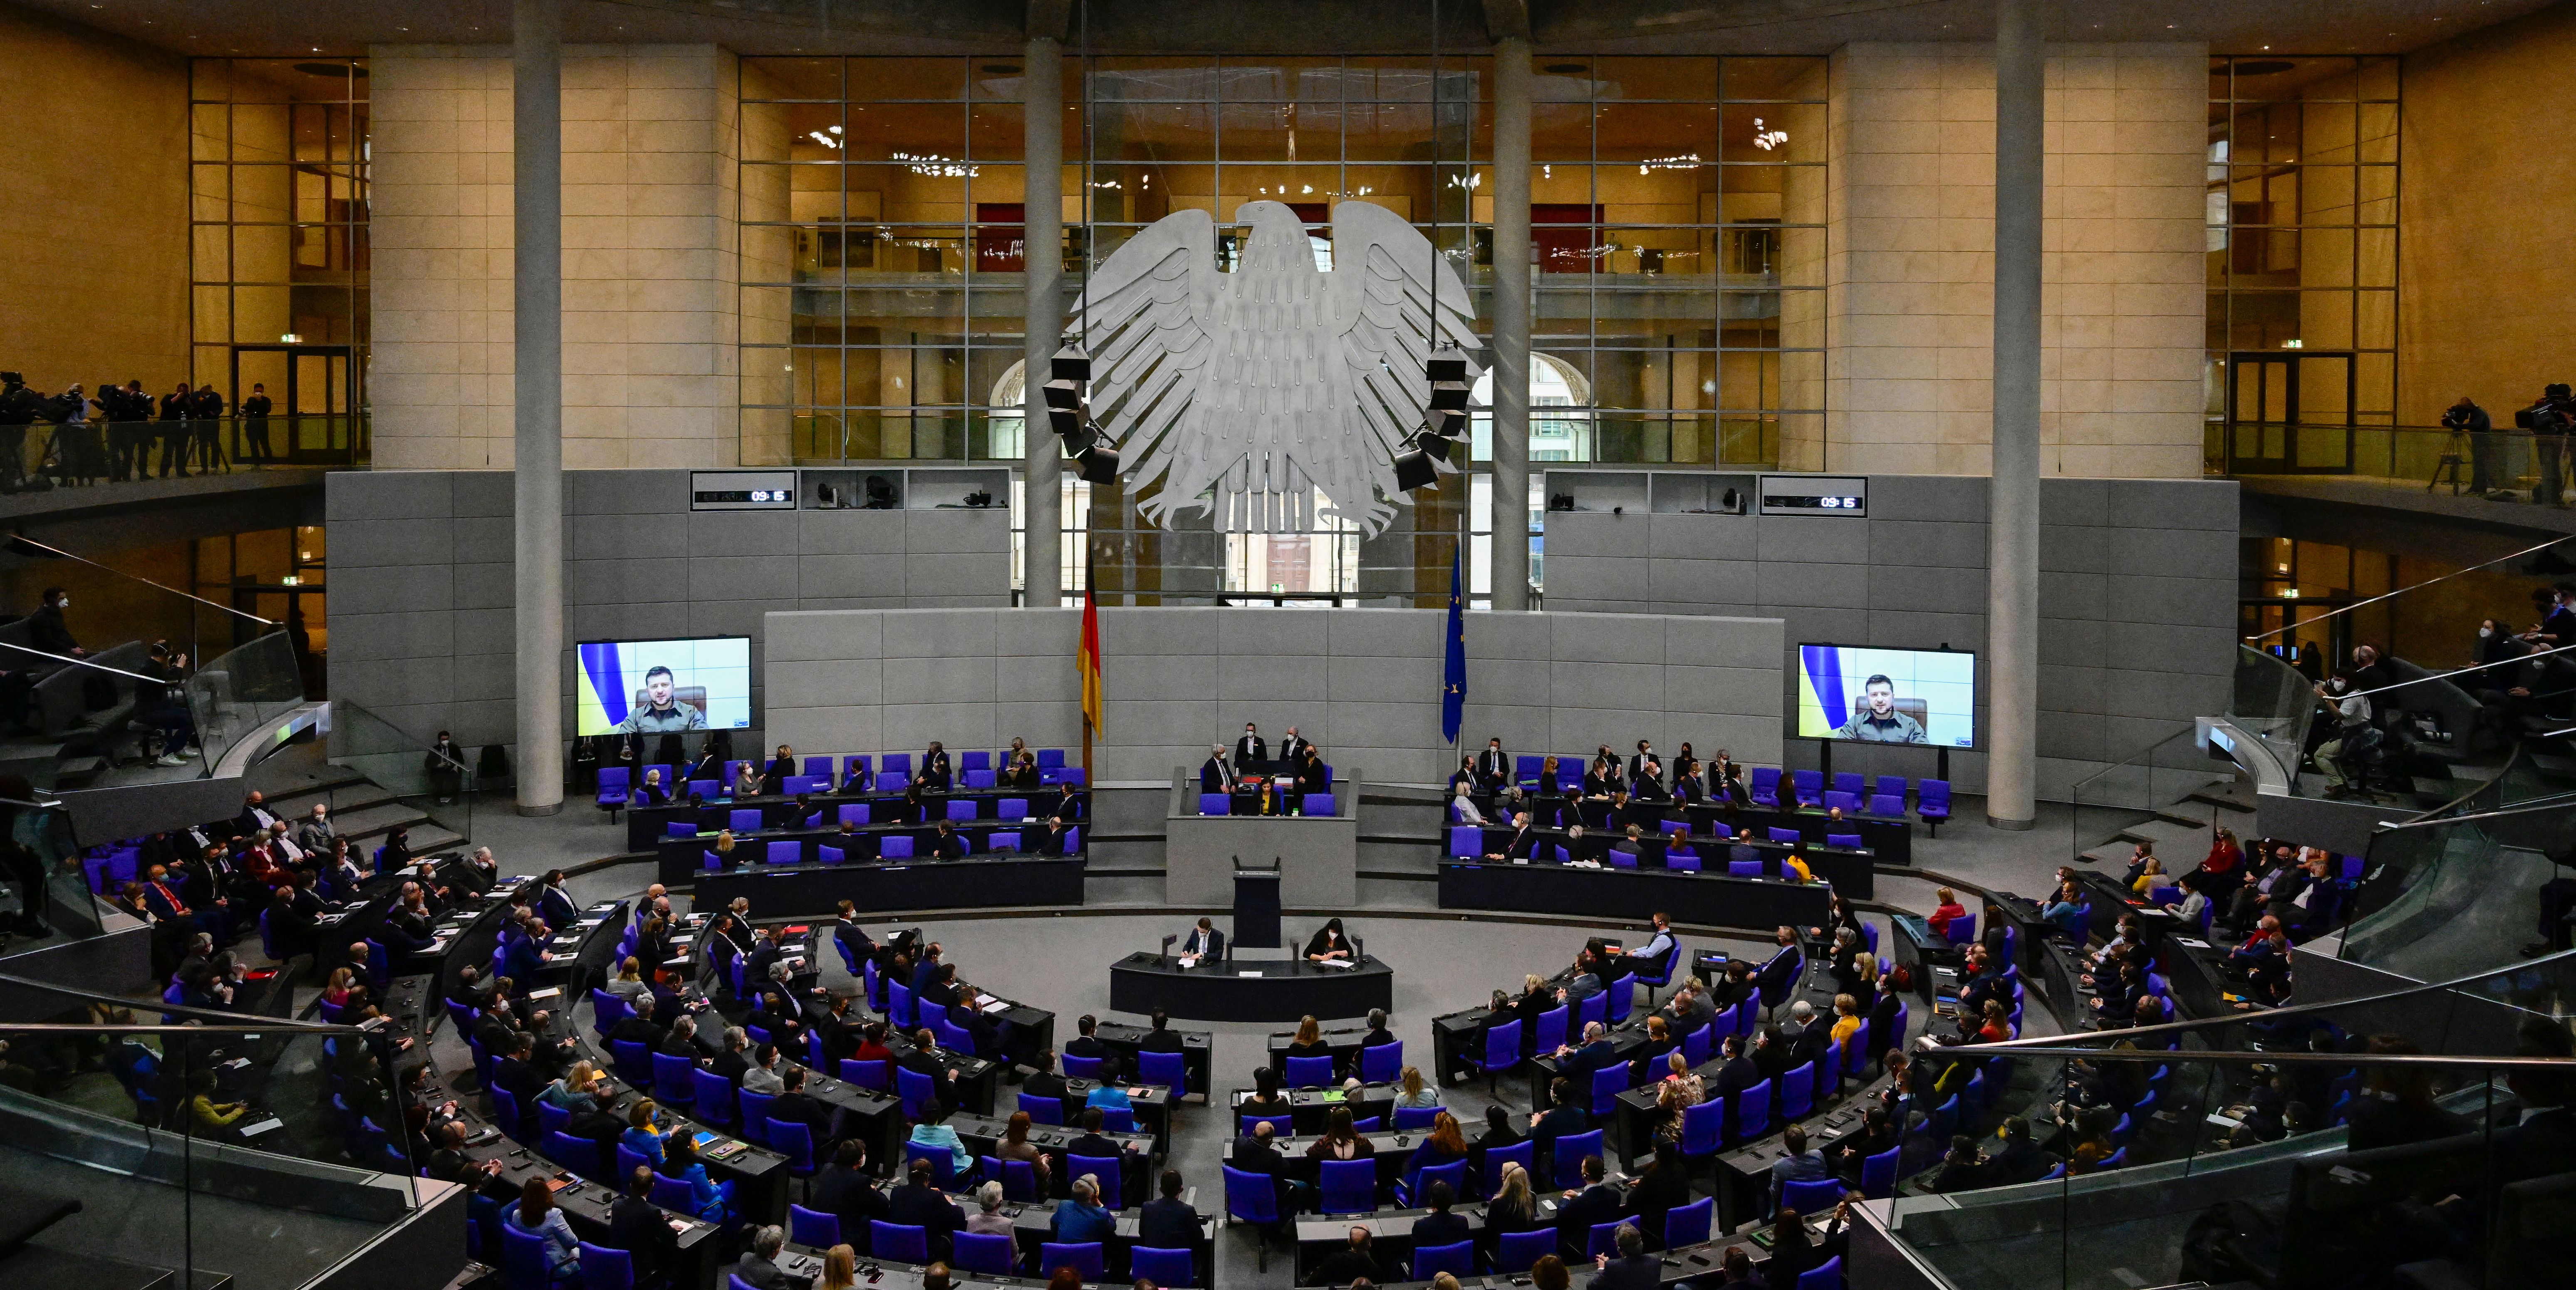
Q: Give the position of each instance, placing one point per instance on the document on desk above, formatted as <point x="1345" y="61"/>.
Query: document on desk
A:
<point x="1338" y="965"/>
<point x="254" y="1130"/>
<point x="995" y="1005"/>
<point x="547" y="993"/>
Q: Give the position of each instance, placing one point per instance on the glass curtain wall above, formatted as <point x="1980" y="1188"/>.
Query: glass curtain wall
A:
<point x="1678" y="245"/>
<point x="2302" y="257"/>
<point x="278" y="251"/>
<point x="1678" y="227"/>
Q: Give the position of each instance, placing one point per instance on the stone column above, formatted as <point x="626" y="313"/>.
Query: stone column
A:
<point x="2012" y="588"/>
<point x="1511" y="322"/>
<point x="536" y="227"/>
<point x="1042" y="259"/>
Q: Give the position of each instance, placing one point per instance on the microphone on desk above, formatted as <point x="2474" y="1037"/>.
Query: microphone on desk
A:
<point x="1167" y="949"/>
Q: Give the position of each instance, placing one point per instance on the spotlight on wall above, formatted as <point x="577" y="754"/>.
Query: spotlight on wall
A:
<point x="1443" y="421"/>
<point x="1069" y="412"/>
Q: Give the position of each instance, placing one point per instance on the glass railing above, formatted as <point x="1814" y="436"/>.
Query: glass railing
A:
<point x="2274" y="703"/>
<point x="64" y="906"/>
<point x="202" y="1137"/>
<point x="2289" y="1148"/>
<point x="417" y="776"/>
<point x="2446" y="896"/>
<point x="104" y="453"/>
<point x="245" y="693"/>
<point x="2158" y="778"/>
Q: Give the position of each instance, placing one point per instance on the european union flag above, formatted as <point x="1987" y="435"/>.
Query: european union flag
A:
<point x="1453" y="685"/>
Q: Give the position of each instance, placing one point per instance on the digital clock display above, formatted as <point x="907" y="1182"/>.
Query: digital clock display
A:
<point x="1815" y="495"/>
<point x="742" y="490"/>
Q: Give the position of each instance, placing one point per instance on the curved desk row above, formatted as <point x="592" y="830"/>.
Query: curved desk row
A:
<point x="817" y="890"/>
<point x="646" y="824"/>
<point x="1706" y="899"/>
<point x="1247" y="989"/>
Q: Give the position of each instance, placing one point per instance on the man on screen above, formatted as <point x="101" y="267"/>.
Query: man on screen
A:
<point x="662" y="713"/>
<point x="1882" y="723"/>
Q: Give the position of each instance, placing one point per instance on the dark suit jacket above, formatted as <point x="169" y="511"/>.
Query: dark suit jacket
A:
<point x="924" y="1207"/>
<point x="1209" y="943"/>
<point x="1254" y="1156"/>
<point x="1442" y="1228"/>
<point x="1599" y="1203"/>
<point x="1161" y="1041"/>
<point x="1168" y="1224"/>
<point x="761" y="1274"/>
<point x="848" y="1194"/>
<point x="1635" y="1272"/>
<point x="1251" y="748"/>
<point x="1051" y="1085"/>
<point x="644" y="1232"/>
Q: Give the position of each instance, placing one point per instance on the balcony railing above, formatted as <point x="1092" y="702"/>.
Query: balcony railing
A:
<point x="2433" y="458"/>
<point x="106" y="452"/>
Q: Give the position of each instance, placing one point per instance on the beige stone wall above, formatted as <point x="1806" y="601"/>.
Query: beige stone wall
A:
<point x="1910" y="270"/>
<point x="93" y="207"/>
<point x="650" y="257"/>
<point x="2488" y="254"/>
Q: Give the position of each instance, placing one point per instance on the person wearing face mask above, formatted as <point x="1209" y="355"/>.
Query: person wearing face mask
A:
<point x="2558" y="625"/>
<point x="46" y="629"/>
<point x="2352" y="716"/>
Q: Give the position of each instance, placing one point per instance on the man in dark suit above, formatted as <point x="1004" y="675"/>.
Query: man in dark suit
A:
<point x="1356" y="1261"/>
<point x="1596" y="1052"/>
<point x="1215" y="776"/>
<point x="733" y="1061"/>
<point x="934" y="774"/>
<point x="983" y="1033"/>
<point x="1644" y="758"/>
<point x="1047" y="1083"/>
<point x="1057" y="839"/>
<point x="918" y="1204"/>
<point x="1519" y="844"/>
<point x="1439" y="1227"/>
<point x="1737" y="1074"/>
<point x="1598" y="1202"/>
<point x="518" y="1075"/>
<point x="1493" y="766"/>
<point x="945" y="844"/>
<point x="843" y="1190"/>
<point x="758" y="1267"/>
<point x="846" y="930"/>
<point x="640" y="1228"/>
<point x="1251" y="752"/>
<point x="1564" y="1117"/>
<point x="796" y="1106"/>
<point x="639" y="1026"/>
<point x="1160" y="1037"/>
<point x="941" y="988"/>
<point x="1204" y="941"/>
<point x="1634" y="1269"/>
<point x="1810" y="1034"/>
<point x="1086" y="1041"/>
<point x="1168" y="1223"/>
<point x="1093" y="1142"/>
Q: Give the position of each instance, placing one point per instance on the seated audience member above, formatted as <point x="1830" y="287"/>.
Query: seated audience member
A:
<point x="1949" y="908"/>
<point x="1083" y="1218"/>
<point x="916" y="1203"/>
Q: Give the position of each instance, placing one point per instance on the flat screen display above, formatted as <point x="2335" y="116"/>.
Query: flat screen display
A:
<point x="1858" y="694"/>
<point x="662" y="686"/>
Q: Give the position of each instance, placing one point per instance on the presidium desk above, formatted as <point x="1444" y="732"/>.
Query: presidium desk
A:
<point x="1318" y="853"/>
<point x="1248" y="989"/>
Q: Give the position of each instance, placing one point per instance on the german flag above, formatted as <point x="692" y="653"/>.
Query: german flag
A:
<point x="1088" y="659"/>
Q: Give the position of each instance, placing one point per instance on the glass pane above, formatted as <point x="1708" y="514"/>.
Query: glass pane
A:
<point x="1774" y="78"/>
<point x="1560" y="132"/>
<point x="996" y="132"/>
<point x="1689" y="79"/>
<point x="1162" y="79"/>
<point x="1154" y="131"/>
<point x="876" y="79"/>
<point x="792" y="78"/>
<point x="1774" y="132"/>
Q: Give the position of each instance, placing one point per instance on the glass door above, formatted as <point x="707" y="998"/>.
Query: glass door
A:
<point x="2289" y="412"/>
<point x="310" y="399"/>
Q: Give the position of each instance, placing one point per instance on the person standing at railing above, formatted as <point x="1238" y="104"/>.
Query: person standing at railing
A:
<point x="2466" y="417"/>
<point x="17" y="412"/>
<point x="208" y="418"/>
<point x="254" y="412"/>
<point x="129" y="428"/>
<point x="176" y="407"/>
<point x="2550" y="420"/>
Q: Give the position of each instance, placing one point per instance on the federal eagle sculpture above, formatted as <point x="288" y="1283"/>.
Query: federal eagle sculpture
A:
<point x="1243" y="391"/>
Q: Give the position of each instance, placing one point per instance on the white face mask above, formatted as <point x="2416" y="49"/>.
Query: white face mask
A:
<point x="64" y="603"/>
<point x="2485" y="633"/>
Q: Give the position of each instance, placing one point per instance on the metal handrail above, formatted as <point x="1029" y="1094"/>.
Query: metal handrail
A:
<point x="2233" y="1057"/>
<point x="2270" y="1014"/>
<point x="223" y="1020"/>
